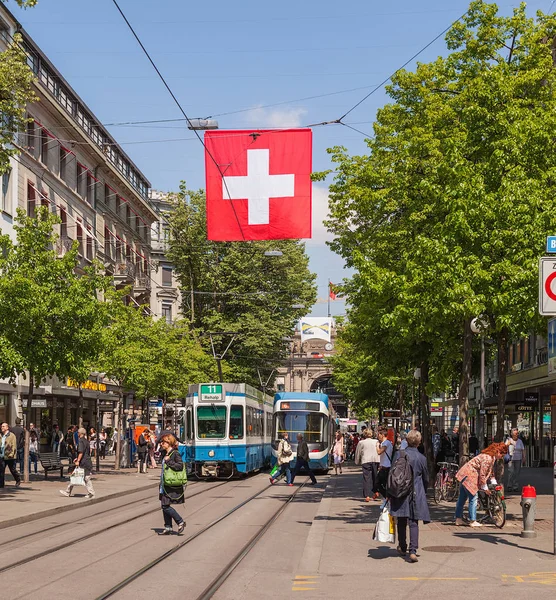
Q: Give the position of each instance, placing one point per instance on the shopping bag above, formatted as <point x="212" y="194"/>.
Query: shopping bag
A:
<point x="385" y="529"/>
<point x="77" y="477"/>
<point x="274" y="471"/>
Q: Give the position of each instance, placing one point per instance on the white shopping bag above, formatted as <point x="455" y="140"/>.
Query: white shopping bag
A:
<point x="77" y="477"/>
<point x="385" y="530"/>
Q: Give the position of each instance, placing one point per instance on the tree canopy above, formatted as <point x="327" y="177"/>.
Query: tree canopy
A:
<point x="446" y="216"/>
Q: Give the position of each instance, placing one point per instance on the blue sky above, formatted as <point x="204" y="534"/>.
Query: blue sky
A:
<point x="222" y="57"/>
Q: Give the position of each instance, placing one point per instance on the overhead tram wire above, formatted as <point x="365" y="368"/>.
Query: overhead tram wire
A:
<point x="407" y="62"/>
<point x="181" y="110"/>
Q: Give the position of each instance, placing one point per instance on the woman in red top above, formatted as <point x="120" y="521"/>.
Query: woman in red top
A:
<point x="474" y="476"/>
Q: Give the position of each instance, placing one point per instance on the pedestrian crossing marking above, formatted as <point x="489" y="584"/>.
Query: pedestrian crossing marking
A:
<point x="300" y="583"/>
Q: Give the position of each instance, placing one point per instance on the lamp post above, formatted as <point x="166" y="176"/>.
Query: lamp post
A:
<point x="417" y="376"/>
<point x="478" y="326"/>
<point x="98" y="376"/>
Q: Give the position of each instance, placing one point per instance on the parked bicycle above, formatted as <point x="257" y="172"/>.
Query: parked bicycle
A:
<point x="494" y="505"/>
<point x="446" y="486"/>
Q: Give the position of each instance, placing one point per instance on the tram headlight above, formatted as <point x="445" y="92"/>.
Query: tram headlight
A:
<point x="211" y="453"/>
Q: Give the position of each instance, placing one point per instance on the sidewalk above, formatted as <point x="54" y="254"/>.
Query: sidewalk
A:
<point x="340" y="556"/>
<point x="41" y="497"/>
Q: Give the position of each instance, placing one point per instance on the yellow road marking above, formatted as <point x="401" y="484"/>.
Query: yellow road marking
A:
<point x="302" y="589"/>
<point x="434" y="578"/>
<point x="543" y="578"/>
<point x="300" y="581"/>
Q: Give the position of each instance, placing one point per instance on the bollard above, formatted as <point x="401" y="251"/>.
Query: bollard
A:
<point x="529" y="507"/>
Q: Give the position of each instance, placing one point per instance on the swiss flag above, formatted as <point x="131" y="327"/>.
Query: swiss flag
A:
<point x="258" y="184"/>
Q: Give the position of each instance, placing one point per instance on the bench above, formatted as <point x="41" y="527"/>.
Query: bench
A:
<point x="51" y="461"/>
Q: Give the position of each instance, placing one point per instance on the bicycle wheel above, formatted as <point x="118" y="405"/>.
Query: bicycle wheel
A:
<point x="452" y="489"/>
<point x="438" y="488"/>
<point x="497" y="512"/>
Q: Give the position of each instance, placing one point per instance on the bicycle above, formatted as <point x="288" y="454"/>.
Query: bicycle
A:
<point x="494" y="506"/>
<point x="446" y="486"/>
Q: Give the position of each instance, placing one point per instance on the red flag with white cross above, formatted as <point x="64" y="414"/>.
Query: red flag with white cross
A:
<point x="258" y="184"/>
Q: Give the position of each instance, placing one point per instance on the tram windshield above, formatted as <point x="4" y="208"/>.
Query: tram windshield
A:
<point x="211" y="421"/>
<point x="309" y="424"/>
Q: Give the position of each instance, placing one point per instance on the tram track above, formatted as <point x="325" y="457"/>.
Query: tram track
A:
<point x="83" y="538"/>
<point x="230" y="567"/>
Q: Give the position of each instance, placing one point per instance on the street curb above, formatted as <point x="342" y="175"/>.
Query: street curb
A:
<point x="59" y="509"/>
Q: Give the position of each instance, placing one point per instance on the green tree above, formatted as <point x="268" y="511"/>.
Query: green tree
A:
<point x="50" y="317"/>
<point x="234" y="287"/>
<point x="446" y="217"/>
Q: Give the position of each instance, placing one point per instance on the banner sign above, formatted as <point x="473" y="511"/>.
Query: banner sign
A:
<point x="258" y="184"/>
<point x="531" y="398"/>
<point x="315" y="328"/>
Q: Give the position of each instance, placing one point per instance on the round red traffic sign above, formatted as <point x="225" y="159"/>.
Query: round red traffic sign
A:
<point x="548" y="285"/>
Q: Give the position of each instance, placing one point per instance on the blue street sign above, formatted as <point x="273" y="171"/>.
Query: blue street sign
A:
<point x="551" y="244"/>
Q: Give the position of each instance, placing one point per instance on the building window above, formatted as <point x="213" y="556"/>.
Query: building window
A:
<point x="107" y="243"/>
<point x="167" y="311"/>
<point x="6" y="204"/>
<point x="89" y="243"/>
<point x="118" y="205"/>
<point x="64" y="223"/>
<point x="167" y="276"/>
<point x="31" y="201"/>
<point x="45" y="140"/>
<point x="81" y="180"/>
<point x="90" y="189"/>
<point x="79" y="229"/>
<point x="31" y="142"/>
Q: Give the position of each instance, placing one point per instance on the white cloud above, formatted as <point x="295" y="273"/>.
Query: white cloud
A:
<point x="276" y="117"/>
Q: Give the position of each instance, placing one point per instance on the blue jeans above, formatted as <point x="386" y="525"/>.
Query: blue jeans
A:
<point x="285" y="469"/>
<point x="464" y="495"/>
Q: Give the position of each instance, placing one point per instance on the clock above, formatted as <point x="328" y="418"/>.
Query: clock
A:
<point x="328" y="346"/>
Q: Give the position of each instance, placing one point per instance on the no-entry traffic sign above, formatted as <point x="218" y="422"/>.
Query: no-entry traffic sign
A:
<point x="547" y="286"/>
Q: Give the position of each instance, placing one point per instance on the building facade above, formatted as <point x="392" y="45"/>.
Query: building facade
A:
<point x="69" y="163"/>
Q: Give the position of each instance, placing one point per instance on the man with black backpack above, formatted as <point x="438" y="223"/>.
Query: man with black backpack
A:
<point x="407" y="486"/>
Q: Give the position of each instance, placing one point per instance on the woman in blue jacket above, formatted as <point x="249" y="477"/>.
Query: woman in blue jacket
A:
<point x="412" y="508"/>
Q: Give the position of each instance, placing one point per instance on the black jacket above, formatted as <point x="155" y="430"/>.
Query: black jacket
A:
<point x="19" y="433"/>
<point x="172" y="494"/>
<point x="303" y="450"/>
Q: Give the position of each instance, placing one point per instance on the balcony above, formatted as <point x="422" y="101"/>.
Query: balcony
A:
<point x="142" y="284"/>
<point x="63" y="245"/>
<point x="124" y="273"/>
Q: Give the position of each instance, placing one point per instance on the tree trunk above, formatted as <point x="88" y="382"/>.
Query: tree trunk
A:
<point x="503" y="339"/>
<point x="80" y="408"/>
<point x="117" y="428"/>
<point x="27" y="436"/>
<point x="426" y="432"/>
<point x="463" y="395"/>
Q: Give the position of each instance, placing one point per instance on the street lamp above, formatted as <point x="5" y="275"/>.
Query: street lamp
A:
<point x="273" y="253"/>
<point x="202" y="124"/>
<point x="478" y="326"/>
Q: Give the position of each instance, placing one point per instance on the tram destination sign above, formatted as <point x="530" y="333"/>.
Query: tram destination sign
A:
<point x="211" y="393"/>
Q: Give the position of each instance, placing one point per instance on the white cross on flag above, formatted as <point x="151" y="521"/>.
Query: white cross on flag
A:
<point x="258" y="184"/>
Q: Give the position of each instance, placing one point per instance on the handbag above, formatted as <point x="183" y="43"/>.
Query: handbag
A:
<point x="385" y="529"/>
<point x="173" y="478"/>
<point x="77" y="477"/>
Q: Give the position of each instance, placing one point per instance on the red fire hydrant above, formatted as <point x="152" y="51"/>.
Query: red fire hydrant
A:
<point x="528" y="506"/>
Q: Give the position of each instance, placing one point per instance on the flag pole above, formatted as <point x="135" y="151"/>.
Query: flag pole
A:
<point x="329" y="313"/>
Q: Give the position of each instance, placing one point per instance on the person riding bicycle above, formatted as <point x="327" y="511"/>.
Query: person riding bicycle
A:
<point x="473" y="477"/>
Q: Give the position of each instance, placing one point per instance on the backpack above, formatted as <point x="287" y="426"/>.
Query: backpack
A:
<point x="400" y="477"/>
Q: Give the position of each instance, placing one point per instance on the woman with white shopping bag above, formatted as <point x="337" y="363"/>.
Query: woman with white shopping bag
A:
<point x="83" y="466"/>
<point x="413" y="507"/>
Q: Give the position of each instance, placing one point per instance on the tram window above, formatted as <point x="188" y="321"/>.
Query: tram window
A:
<point x="310" y="425"/>
<point x="188" y="425"/>
<point x="211" y="421"/>
<point x="236" y="422"/>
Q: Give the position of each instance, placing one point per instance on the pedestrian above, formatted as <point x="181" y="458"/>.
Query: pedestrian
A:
<point x="102" y="443"/>
<point x="284" y="455"/>
<point x="83" y="461"/>
<point x="169" y="495"/>
<point x="338" y="452"/>
<point x="8" y="455"/>
<point x="93" y="441"/>
<point x="367" y="456"/>
<point x="474" y="476"/>
<point x="385" y="451"/>
<point x="151" y="447"/>
<point x="142" y="449"/>
<point x="19" y="433"/>
<point x="356" y="440"/>
<point x="473" y="445"/>
<point x="302" y="460"/>
<point x="33" y="450"/>
<point x="516" y="458"/>
<point x="436" y="442"/>
<point x="71" y="445"/>
<point x="412" y="508"/>
<point x="55" y="438"/>
<point x="403" y="440"/>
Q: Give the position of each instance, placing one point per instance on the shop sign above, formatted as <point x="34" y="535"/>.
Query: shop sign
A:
<point x="531" y="399"/>
<point x="491" y="411"/>
<point x="87" y="385"/>
<point x="35" y="403"/>
<point x="524" y="408"/>
<point x="436" y="409"/>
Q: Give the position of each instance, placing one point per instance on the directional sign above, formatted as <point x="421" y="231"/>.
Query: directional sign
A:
<point x="551" y="244"/>
<point x="547" y="286"/>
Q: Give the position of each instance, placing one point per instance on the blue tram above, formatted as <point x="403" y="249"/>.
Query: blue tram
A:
<point x="227" y="429"/>
<point x="313" y="416"/>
